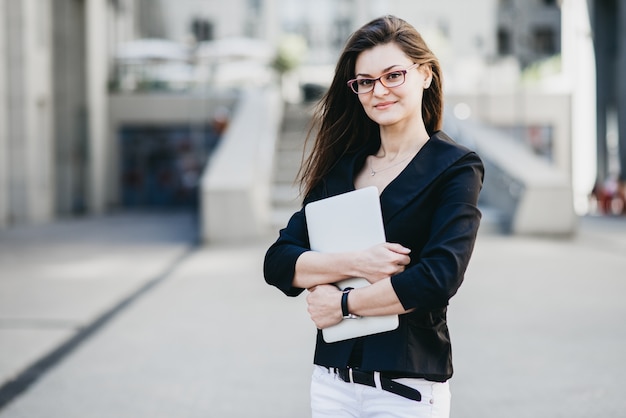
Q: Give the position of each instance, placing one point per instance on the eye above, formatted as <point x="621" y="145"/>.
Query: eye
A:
<point x="393" y="75"/>
<point x="364" y="82"/>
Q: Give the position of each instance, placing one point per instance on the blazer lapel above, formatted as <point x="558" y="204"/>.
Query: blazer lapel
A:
<point x="436" y="156"/>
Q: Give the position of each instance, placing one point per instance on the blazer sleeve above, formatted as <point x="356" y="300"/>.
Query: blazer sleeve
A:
<point x="279" y="265"/>
<point x="440" y="268"/>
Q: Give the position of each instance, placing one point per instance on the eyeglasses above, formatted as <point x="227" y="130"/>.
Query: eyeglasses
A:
<point x="390" y="80"/>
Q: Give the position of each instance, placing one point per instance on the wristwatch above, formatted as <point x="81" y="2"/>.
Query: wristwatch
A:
<point x="344" y="305"/>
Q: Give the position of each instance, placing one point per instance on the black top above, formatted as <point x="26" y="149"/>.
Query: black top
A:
<point x="431" y="208"/>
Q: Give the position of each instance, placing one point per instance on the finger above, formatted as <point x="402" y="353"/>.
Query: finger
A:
<point x="405" y="261"/>
<point x="397" y="248"/>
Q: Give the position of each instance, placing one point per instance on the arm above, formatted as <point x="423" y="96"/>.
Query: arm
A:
<point x="378" y="299"/>
<point x="440" y="266"/>
<point x="291" y="266"/>
<point x="375" y="263"/>
<point x="279" y="265"/>
<point x="430" y="283"/>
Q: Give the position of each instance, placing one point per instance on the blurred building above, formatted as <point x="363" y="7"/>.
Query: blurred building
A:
<point x="53" y="87"/>
<point x="62" y="79"/>
<point x="528" y="29"/>
<point x="454" y="29"/>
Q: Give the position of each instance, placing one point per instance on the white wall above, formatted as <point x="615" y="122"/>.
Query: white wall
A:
<point x="580" y="75"/>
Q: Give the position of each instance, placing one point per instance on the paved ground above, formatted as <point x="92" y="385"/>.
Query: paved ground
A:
<point x="129" y="318"/>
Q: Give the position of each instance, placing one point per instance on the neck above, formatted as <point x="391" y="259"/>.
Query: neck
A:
<point x="396" y="144"/>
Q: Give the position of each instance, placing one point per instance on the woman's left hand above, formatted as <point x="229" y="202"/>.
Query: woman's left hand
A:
<point x="324" y="305"/>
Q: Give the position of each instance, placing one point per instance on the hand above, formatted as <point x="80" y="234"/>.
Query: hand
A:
<point x="325" y="305"/>
<point x="381" y="261"/>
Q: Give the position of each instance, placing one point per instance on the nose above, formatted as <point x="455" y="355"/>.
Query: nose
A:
<point x="379" y="87"/>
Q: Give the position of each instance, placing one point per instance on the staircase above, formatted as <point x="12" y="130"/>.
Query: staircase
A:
<point x="285" y="193"/>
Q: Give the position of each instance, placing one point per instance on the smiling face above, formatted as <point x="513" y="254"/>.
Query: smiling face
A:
<point x="397" y="105"/>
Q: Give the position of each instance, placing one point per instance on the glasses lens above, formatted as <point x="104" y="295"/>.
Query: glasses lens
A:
<point x="364" y="85"/>
<point x="393" y="79"/>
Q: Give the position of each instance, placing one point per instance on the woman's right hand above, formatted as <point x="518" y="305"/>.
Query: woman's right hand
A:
<point x="382" y="261"/>
<point x="374" y="264"/>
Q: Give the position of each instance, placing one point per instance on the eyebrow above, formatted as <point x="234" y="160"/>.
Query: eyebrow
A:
<point x="390" y="68"/>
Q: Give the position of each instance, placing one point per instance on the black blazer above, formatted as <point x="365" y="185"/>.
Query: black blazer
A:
<point x="431" y="208"/>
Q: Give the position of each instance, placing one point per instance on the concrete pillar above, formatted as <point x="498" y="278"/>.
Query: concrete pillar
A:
<point x="27" y="142"/>
<point x="604" y="29"/>
<point x="38" y="119"/>
<point x="621" y="86"/>
<point x="578" y="66"/>
<point x="15" y="140"/>
<point x="96" y="26"/>
<point x="69" y="106"/>
<point x="4" y="175"/>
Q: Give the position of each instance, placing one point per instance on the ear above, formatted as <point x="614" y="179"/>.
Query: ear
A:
<point x="427" y="72"/>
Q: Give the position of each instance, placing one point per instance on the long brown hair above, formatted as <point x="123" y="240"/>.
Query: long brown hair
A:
<point x="339" y="119"/>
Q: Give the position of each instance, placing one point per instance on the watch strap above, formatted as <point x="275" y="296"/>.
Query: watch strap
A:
<point x="344" y="304"/>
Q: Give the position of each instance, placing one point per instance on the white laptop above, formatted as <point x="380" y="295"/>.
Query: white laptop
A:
<point x="350" y="221"/>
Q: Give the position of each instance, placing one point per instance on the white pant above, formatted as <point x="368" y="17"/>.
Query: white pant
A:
<point x="332" y="397"/>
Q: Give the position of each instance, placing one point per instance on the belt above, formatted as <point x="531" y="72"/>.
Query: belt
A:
<point x="368" y="378"/>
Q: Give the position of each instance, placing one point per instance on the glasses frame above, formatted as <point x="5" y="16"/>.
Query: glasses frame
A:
<point x="380" y="79"/>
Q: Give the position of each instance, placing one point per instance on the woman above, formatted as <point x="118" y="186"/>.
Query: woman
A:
<point x="379" y="125"/>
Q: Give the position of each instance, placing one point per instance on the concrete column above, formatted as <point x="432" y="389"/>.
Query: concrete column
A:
<point x="621" y="86"/>
<point x="578" y="66"/>
<point x="38" y="121"/>
<point x="97" y="156"/>
<point x="27" y="131"/>
<point x="4" y="178"/>
<point x="604" y="30"/>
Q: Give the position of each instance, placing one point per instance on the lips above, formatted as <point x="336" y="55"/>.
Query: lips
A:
<point x="383" y="105"/>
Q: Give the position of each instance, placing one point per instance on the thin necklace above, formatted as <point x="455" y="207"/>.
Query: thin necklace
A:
<point x="374" y="172"/>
